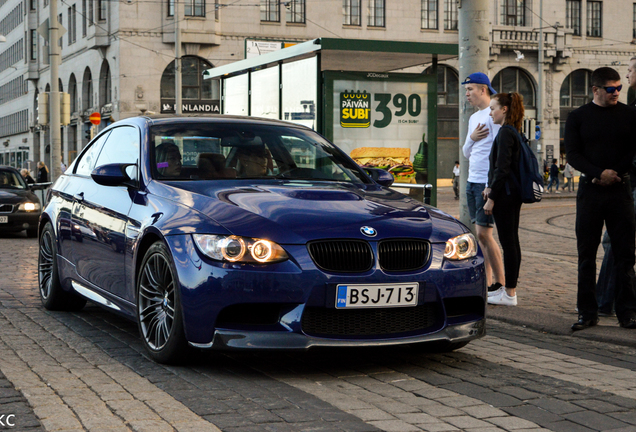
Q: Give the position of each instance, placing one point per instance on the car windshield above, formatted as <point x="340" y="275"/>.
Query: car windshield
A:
<point x="222" y="151"/>
<point x="10" y="179"/>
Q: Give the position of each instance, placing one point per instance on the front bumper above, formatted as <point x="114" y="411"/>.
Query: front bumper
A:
<point x="20" y="221"/>
<point x="230" y="339"/>
<point x="222" y="302"/>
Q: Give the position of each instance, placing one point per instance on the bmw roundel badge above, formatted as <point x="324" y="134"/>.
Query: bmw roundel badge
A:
<point x="368" y="231"/>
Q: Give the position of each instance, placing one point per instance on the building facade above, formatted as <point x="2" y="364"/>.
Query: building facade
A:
<point x="117" y="57"/>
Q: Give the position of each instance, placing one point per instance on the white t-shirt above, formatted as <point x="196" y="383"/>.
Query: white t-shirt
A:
<point x="477" y="152"/>
<point x="456" y="171"/>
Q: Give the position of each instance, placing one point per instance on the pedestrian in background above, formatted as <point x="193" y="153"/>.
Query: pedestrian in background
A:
<point x="43" y="173"/>
<point x="481" y="134"/>
<point x="568" y="176"/>
<point x="554" y="177"/>
<point x="27" y="177"/>
<point x="503" y="196"/>
<point x="456" y="180"/>
<point x="606" y="284"/>
<point x="599" y="139"/>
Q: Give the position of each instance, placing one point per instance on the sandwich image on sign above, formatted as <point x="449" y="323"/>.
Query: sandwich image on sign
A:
<point x="397" y="161"/>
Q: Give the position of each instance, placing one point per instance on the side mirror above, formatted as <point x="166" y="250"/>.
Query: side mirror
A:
<point x="380" y="176"/>
<point x="112" y="175"/>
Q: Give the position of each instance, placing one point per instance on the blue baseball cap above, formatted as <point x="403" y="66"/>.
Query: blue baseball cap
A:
<point x="479" y="78"/>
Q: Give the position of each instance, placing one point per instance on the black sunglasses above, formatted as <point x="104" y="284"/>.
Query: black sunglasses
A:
<point x="611" y="90"/>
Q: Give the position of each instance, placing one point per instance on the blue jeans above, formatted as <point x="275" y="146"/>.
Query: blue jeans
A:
<point x="475" y="201"/>
<point x="553" y="180"/>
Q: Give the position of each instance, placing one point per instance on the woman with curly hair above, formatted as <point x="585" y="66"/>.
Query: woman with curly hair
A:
<point x="503" y="196"/>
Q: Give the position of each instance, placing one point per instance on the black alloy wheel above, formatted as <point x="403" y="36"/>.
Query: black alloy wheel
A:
<point x="159" y="306"/>
<point x="51" y="293"/>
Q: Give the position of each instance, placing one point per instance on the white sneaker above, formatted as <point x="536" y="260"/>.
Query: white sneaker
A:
<point x="496" y="292"/>
<point x="503" y="299"/>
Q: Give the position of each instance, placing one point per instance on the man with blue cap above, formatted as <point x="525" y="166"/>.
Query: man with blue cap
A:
<point x="481" y="134"/>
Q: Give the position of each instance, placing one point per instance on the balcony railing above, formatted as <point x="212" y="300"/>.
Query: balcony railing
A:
<point x="556" y="41"/>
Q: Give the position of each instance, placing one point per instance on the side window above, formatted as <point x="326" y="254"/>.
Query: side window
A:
<point x="122" y="146"/>
<point x="87" y="162"/>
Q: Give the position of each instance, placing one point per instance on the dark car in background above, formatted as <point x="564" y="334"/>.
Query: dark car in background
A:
<point x="241" y="233"/>
<point x="20" y="208"/>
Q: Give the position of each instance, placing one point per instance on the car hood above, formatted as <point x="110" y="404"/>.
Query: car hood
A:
<point x="16" y="196"/>
<point x="297" y="212"/>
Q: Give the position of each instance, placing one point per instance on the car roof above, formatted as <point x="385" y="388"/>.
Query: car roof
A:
<point x="161" y="119"/>
<point x="9" y="168"/>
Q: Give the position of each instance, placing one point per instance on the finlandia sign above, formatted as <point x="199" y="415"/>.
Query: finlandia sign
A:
<point x="209" y="107"/>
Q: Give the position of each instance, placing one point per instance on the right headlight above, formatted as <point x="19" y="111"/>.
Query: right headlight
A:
<point x="239" y="249"/>
<point x="29" y="206"/>
<point x="461" y="247"/>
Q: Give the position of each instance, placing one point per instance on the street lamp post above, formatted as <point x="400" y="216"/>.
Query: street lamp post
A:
<point x="540" y="92"/>
<point x="54" y="97"/>
<point x="474" y="48"/>
<point x="177" y="59"/>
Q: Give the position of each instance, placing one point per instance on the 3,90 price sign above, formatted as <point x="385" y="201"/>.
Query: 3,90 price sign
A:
<point x="355" y="109"/>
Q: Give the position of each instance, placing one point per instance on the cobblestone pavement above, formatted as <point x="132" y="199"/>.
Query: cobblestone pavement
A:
<point x="547" y="281"/>
<point x="87" y="371"/>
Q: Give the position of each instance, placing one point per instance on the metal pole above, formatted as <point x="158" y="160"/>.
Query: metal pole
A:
<point x="474" y="45"/>
<point x="54" y="96"/>
<point x="540" y="151"/>
<point x="177" y="59"/>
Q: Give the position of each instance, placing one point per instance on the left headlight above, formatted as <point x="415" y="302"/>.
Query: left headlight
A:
<point x="461" y="247"/>
<point x="29" y="206"/>
<point x="239" y="249"/>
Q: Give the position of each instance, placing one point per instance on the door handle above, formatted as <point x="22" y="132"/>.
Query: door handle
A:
<point x="79" y="196"/>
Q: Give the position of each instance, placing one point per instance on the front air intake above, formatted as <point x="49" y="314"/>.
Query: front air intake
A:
<point x="383" y="322"/>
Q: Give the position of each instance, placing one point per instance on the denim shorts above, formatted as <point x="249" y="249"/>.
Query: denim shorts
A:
<point x="476" y="203"/>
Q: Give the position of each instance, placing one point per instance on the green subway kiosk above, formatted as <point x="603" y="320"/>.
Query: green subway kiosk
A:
<point x="357" y="93"/>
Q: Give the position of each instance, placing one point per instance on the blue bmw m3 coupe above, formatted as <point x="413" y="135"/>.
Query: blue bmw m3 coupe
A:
<point x="242" y="233"/>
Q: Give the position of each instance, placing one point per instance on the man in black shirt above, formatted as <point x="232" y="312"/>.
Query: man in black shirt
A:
<point x="599" y="140"/>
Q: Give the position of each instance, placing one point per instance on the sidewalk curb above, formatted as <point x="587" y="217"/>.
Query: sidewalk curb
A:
<point x="607" y="331"/>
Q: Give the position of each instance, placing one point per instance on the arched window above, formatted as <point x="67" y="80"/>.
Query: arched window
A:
<point x="72" y="91"/>
<point x="61" y="86"/>
<point x="447" y="86"/>
<point x="87" y="90"/>
<point x="447" y="119"/>
<point x="105" y="84"/>
<point x="512" y="79"/>
<point x="576" y="90"/>
<point x="195" y="91"/>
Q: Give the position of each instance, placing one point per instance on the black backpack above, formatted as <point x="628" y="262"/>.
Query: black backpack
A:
<point x="531" y="181"/>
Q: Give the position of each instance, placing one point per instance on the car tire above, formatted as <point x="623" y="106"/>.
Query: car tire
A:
<point x="52" y="294"/>
<point x="159" y="313"/>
